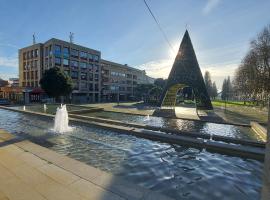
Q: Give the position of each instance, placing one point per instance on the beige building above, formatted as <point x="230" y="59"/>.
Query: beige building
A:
<point x="94" y="79"/>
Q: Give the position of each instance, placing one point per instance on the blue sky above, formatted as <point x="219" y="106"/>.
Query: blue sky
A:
<point x="124" y="31"/>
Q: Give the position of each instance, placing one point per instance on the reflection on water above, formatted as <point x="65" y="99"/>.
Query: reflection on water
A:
<point x="180" y="172"/>
<point x="179" y="124"/>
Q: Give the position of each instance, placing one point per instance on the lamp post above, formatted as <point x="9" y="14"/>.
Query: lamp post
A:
<point x="265" y="195"/>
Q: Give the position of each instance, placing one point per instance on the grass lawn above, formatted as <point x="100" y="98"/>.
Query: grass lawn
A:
<point x="232" y="103"/>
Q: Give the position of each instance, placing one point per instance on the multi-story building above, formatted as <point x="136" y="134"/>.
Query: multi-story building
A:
<point x="94" y="79"/>
<point x="119" y="81"/>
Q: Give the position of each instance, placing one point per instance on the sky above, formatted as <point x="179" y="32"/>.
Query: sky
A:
<point x="125" y="32"/>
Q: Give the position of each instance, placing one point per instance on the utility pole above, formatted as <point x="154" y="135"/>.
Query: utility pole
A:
<point x="34" y="38"/>
<point x="265" y="195"/>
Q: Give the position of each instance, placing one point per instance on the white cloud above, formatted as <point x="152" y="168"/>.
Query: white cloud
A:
<point x="9" y="61"/>
<point x="210" y="5"/>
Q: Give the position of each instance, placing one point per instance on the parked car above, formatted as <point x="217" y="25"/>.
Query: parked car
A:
<point x="4" y="102"/>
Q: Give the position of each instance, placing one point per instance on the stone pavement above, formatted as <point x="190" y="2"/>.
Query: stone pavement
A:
<point x="29" y="171"/>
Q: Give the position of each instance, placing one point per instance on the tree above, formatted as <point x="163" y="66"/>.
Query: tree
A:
<point x="214" y="90"/>
<point x="56" y="83"/>
<point x="208" y="83"/>
<point x="252" y="77"/>
<point x="227" y="89"/>
<point x="160" y="82"/>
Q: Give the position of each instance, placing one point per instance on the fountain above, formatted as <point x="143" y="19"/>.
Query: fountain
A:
<point x="45" y="107"/>
<point x="23" y="108"/>
<point x="61" y="120"/>
<point x="147" y="118"/>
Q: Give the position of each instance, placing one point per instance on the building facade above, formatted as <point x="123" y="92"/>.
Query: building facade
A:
<point x="94" y="79"/>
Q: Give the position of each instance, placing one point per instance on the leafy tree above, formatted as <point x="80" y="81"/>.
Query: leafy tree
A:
<point x="208" y="83"/>
<point x="56" y="83"/>
<point x="214" y="90"/>
<point x="252" y="77"/>
<point x="227" y="89"/>
<point x="160" y="82"/>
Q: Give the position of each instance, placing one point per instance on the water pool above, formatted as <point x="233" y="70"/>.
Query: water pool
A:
<point x="179" y="124"/>
<point x="176" y="171"/>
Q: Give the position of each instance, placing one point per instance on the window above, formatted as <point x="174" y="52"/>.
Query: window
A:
<point x="91" y="77"/>
<point x="57" y="61"/>
<point x="96" y="87"/>
<point x="129" y="82"/>
<point x="36" y="74"/>
<point x="83" y="85"/>
<point x="83" y="76"/>
<point x="24" y="56"/>
<point x="46" y="51"/>
<point x="90" y="67"/>
<point x="91" y="86"/>
<point x="32" y="75"/>
<point x="122" y="88"/>
<point x="24" y="65"/>
<point x="83" y="55"/>
<point x="24" y="75"/>
<point x="82" y="65"/>
<point x="74" y="53"/>
<point x="129" y="88"/>
<point x="134" y="77"/>
<point x="96" y="68"/>
<point x="65" y="62"/>
<point x="32" y="54"/>
<point x="96" y="58"/>
<point x="134" y="82"/>
<point x="96" y="77"/>
<point x="74" y="64"/>
<point x="114" y="88"/>
<point x="74" y="74"/>
<point x="90" y="56"/>
<point x="66" y="52"/>
<point x="36" y="52"/>
<point x="57" y="50"/>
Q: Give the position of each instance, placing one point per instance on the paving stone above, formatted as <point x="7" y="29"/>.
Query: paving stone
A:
<point x="29" y="175"/>
<point x="15" y="189"/>
<point x="52" y="190"/>
<point x="58" y="174"/>
<point x="32" y="160"/>
<point x="31" y="147"/>
<point x="91" y="191"/>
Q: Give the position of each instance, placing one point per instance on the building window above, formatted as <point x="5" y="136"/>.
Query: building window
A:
<point x="57" y="61"/>
<point x="36" y="74"/>
<point x="24" y="56"/>
<point x="129" y="88"/>
<point x="24" y="75"/>
<point x="32" y="54"/>
<point x="96" y="77"/>
<point x="129" y="75"/>
<point x="91" y="77"/>
<point x="36" y="53"/>
<point x="32" y="75"/>
<point x="83" y="55"/>
<point x="66" y="52"/>
<point x="74" y="64"/>
<point x="57" y="50"/>
<point x="83" y="85"/>
<point x="96" y="58"/>
<point x="96" y="68"/>
<point x="91" y="86"/>
<point x="82" y="65"/>
<point x="74" y="53"/>
<point x="83" y="76"/>
<point x="134" y="82"/>
<point x="129" y="82"/>
<point x="96" y="87"/>
<point x="134" y="77"/>
<point x="90" y="67"/>
<point x="65" y="62"/>
<point x="74" y="74"/>
<point x="46" y="51"/>
<point x="90" y="57"/>
<point x="114" y="88"/>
